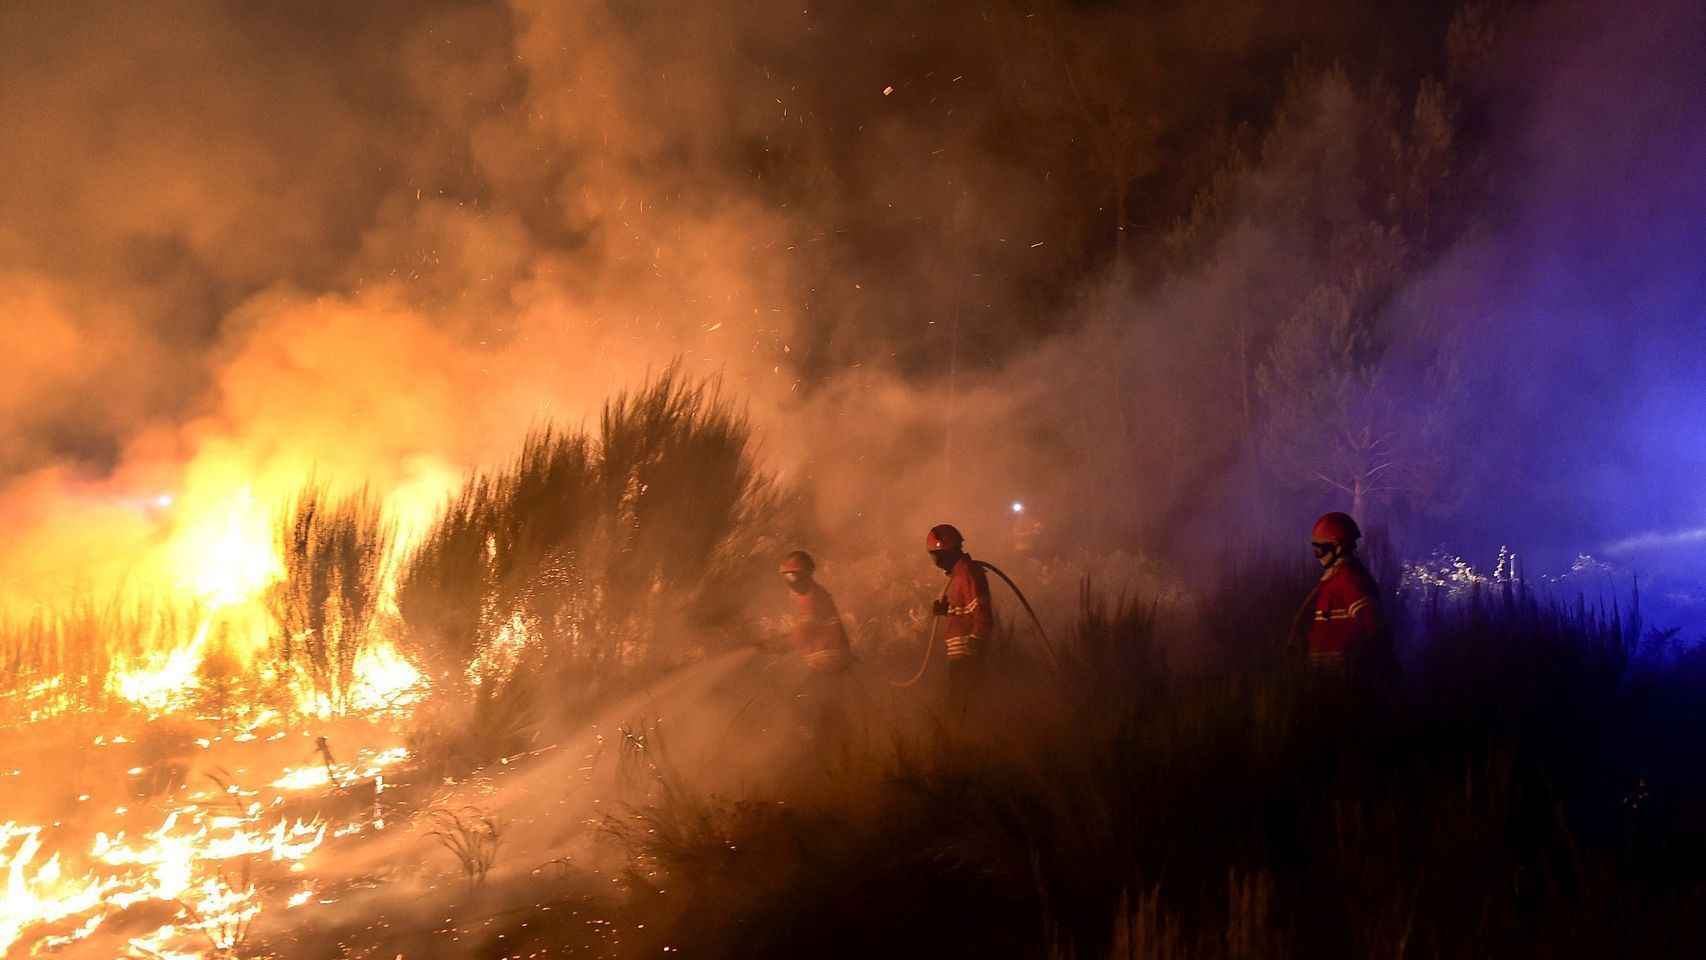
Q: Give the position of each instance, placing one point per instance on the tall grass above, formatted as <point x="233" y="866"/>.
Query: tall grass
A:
<point x="1518" y="792"/>
<point x="66" y="660"/>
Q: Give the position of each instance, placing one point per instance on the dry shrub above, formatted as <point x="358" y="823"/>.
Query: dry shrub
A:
<point x="472" y="836"/>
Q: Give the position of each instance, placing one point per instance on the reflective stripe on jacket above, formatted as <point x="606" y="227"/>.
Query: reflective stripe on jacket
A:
<point x="971" y="614"/>
<point x="1346" y="613"/>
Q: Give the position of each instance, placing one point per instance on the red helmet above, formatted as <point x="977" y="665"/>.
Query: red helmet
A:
<point x="1336" y="528"/>
<point x="798" y="562"/>
<point x="943" y="536"/>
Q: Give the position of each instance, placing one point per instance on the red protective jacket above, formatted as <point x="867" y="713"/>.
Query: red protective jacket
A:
<point x="819" y="636"/>
<point x="1345" y="614"/>
<point x="971" y="616"/>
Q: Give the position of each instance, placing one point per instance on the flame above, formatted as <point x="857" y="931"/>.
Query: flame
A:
<point x="154" y="945"/>
<point x="39" y="897"/>
<point x="213" y="555"/>
<point x="307" y="778"/>
<point x="182" y="862"/>
<point x="501" y="656"/>
<point x="221" y="556"/>
<point x="166" y="677"/>
<point x="384" y="680"/>
<point x="227" y="556"/>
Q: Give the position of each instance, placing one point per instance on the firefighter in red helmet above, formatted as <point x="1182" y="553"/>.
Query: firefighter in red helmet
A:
<point x="1339" y="623"/>
<point x="820" y="639"/>
<point x="969" y="615"/>
<point x="818" y="635"/>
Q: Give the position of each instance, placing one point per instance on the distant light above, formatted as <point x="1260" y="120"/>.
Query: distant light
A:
<point x="163" y="501"/>
<point x="1018" y="507"/>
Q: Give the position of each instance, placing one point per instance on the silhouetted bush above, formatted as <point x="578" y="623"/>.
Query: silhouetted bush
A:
<point x="326" y="605"/>
<point x="596" y="559"/>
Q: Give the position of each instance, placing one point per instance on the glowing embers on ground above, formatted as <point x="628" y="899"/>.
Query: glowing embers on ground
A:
<point x="170" y="854"/>
<point x="308" y="778"/>
<point x="206" y="863"/>
<point x="184" y="863"/>
<point x="39" y="894"/>
<point x="38" y="701"/>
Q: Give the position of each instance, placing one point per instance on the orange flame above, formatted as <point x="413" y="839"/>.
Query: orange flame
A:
<point x="227" y="556"/>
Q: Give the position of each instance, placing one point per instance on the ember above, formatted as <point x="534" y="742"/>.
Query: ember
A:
<point x="187" y="861"/>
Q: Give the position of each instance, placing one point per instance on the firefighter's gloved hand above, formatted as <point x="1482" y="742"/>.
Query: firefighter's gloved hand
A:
<point x="940" y="607"/>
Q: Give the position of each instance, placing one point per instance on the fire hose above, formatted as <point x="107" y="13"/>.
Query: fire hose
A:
<point x="936" y="621"/>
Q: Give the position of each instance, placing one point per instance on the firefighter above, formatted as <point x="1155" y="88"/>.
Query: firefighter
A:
<point x="819" y="636"/>
<point x="968" y="612"/>
<point x="820" y="639"/>
<point x="1339" y="625"/>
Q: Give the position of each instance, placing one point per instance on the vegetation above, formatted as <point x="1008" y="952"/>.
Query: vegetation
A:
<point x="1164" y="781"/>
<point x="587" y="563"/>
<point x="471" y="836"/>
<point x="1521" y="792"/>
<point x="68" y="660"/>
<point x="326" y="606"/>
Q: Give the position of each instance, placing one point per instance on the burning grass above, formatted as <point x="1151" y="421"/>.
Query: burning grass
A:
<point x="583" y="568"/>
<point x="96" y="655"/>
<point x="159" y="859"/>
<point x="1160" y="782"/>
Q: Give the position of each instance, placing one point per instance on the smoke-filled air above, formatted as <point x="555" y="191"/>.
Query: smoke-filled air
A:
<point x="1074" y="479"/>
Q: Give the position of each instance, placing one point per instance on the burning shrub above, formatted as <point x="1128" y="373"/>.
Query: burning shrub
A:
<point x="326" y="604"/>
<point x="584" y="553"/>
<point x="500" y="555"/>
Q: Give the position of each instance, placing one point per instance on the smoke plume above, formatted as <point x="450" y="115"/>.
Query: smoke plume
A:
<point x="949" y="259"/>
